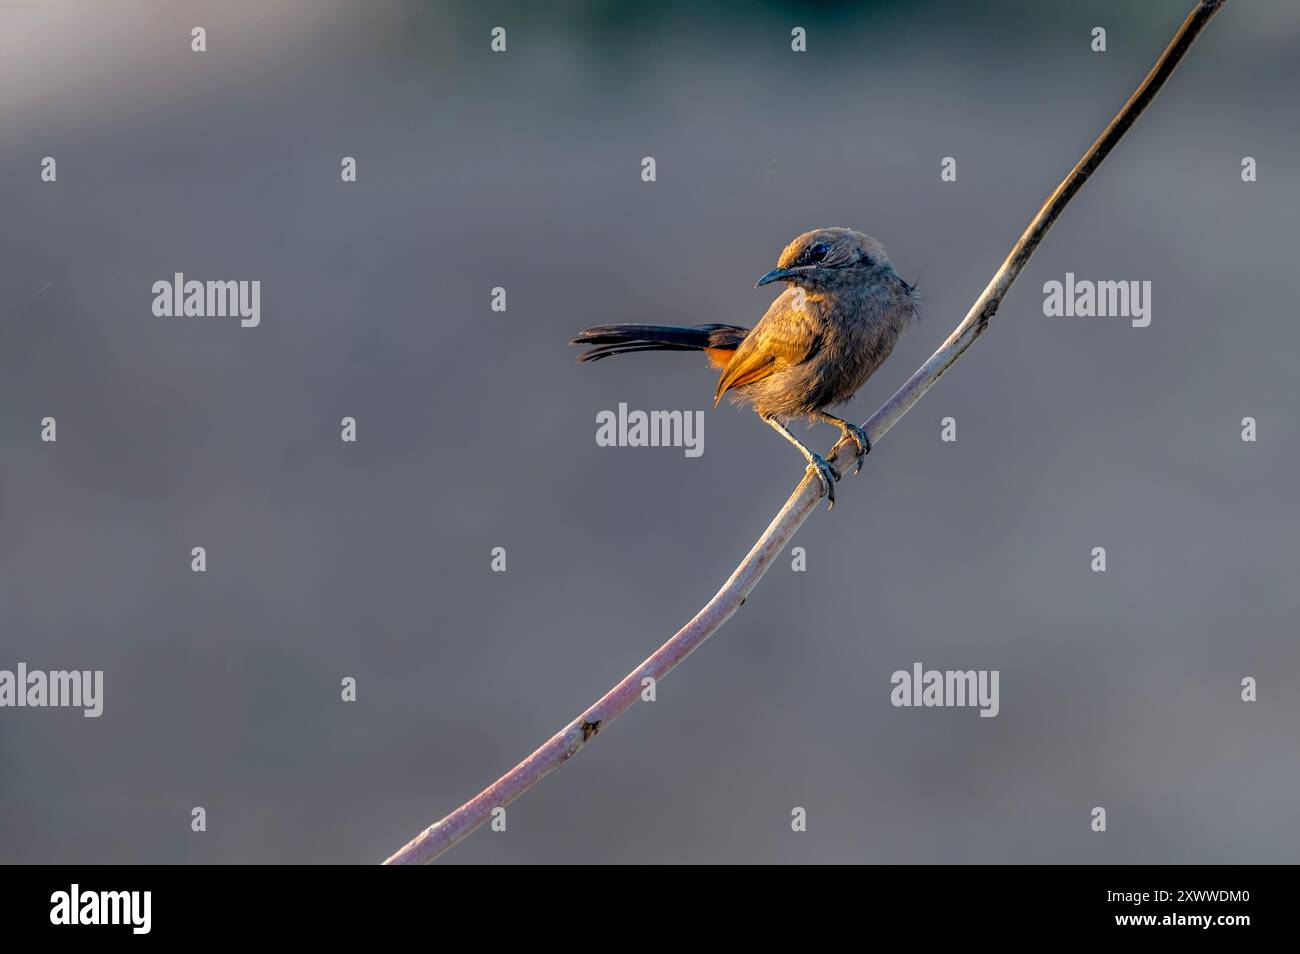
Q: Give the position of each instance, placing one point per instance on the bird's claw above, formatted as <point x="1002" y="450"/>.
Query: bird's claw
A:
<point x="859" y="438"/>
<point x="827" y="474"/>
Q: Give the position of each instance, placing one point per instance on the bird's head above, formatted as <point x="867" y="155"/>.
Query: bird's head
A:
<point x="827" y="258"/>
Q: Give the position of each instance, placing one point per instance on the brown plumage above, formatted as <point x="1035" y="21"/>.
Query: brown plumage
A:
<point x="843" y="309"/>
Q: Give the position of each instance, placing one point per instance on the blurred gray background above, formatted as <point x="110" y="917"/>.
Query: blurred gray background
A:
<point x="476" y="430"/>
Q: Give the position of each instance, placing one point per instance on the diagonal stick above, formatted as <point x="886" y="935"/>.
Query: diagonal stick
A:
<point x="562" y="746"/>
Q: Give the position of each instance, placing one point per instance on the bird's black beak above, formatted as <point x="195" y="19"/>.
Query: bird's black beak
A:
<point x="776" y="275"/>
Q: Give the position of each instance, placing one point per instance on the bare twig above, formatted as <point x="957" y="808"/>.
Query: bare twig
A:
<point x="562" y="746"/>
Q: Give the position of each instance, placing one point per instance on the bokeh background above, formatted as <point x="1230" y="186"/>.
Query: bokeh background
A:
<point x="476" y="430"/>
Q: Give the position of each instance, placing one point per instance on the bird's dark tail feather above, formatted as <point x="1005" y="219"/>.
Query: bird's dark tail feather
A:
<point x="620" y="339"/>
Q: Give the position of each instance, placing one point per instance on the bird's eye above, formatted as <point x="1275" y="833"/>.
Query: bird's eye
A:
<point x="818" y="252"/>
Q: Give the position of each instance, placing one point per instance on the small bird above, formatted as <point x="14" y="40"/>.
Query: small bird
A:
<point x="842" y="311"/>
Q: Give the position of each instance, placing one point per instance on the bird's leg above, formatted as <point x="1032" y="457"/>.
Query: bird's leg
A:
<point x="816" y="463"/>
<point x="848" y="432"/>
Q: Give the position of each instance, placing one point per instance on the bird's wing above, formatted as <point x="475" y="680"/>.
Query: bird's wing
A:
<point x="787" y="335"/>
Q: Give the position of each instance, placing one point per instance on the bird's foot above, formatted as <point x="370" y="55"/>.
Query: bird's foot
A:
<point x="856" y="435"/>
<point x="827" y="474"/>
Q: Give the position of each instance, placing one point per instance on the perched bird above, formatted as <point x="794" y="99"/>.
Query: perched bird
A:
<point x="838" y="319"/>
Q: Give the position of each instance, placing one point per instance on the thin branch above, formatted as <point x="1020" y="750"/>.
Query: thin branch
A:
<point x="562" y="746"/>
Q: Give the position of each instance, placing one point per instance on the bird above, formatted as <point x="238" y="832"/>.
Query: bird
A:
<point x="842" y="311"/>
